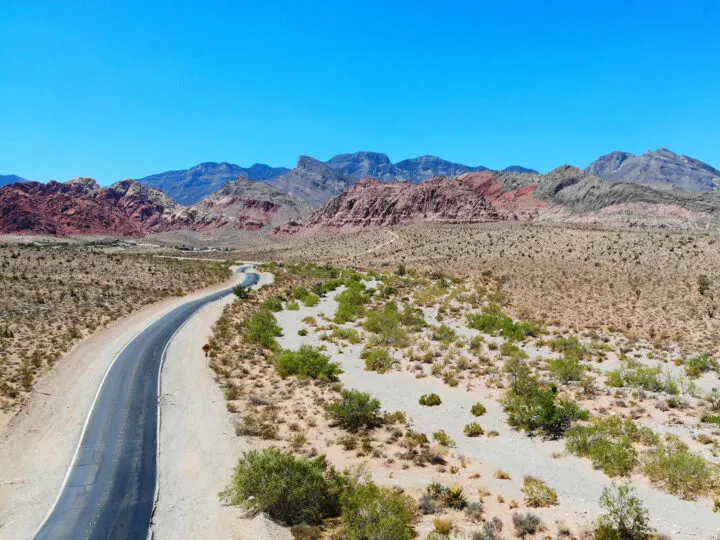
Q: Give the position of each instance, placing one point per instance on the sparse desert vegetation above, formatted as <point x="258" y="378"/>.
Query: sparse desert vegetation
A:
<point x="54" y="296"/>
<point x="546" y="386"/>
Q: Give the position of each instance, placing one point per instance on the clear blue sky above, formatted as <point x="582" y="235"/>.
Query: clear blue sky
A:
<point x="125" y="89"/>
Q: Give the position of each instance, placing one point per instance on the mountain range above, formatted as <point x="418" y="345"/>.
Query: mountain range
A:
<point x="658" y="188"/>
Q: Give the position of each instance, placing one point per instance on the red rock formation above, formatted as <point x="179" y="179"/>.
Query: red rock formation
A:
<point x="82" y="207"/>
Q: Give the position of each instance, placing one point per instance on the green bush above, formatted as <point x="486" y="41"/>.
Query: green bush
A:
<point x="537" y="409"/>
<point x="473" y="429"/>
<point x="569" y="347"/>
<point x="443" y="438"/>
<point x="378" y="360"/>
<point x="302" y="332"/>
<point x="306" y="362"/>
<point x="647" y="378"/>
<point x="370" y="512"/>
<point x="496" y="323"/>
<point x="444" y="334"/>
<point x="387" y="325"/>
<point x="626" y="518"/>
<point x="566" y="369"/>
<point x="311" y="300"/>
<point x="241" y="291"/>
<point x="700" y="364"/>
<point x="349" y="334"/>
<point x="354" y="411"/>
<point x="292" y="305"/>
<point x="537" y="493"/>
<point x="429" y="400"/>
<point x="351" y="303"/>
<point x="262" y="328"/>
<point x="609" y="443"/>
<point x="287" y="488"/>
<point x="478" y="409"/>
<point x="678" y="471"/>
<point x="273" y="303"/>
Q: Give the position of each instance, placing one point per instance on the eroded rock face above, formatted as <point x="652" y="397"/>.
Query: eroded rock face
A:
<point x="253" y="203"/>
<point x="566" y="194"/>
<point x="81" y="206"/>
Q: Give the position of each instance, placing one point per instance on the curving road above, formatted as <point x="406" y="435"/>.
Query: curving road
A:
<point x="109" y="491"/>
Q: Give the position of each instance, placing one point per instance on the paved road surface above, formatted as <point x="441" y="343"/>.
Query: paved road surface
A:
<point x="110" y="489"/>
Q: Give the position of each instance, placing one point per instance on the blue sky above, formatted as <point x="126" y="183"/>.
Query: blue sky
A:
<point x="125" y="89"/>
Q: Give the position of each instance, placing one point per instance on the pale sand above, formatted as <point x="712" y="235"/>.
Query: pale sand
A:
<point x="38" y="444"/>
<point x="198" y="446"/>
<point x="578" y="485"/>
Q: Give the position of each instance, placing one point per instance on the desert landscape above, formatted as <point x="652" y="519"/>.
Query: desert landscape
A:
<point x="385" y="271"/>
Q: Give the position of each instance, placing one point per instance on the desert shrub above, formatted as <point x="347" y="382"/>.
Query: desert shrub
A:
<point x="355" y="410"/>
<point x="454" y="498"/>
<point x="430" y="400"/>
<point x="678" y="471"/>
<point x="527" y="524"/>
<point x="566" y="369"/>
<point x="349" y="334"/>
<point x="351" y="303"/>
<point x="478" y="409"/>
<point x="700" y="364"/>
<point x="444" y="334"/>
<point x="378" y="360"/>
<point x="378" y="513"/>
<point x="510" y="350"/>
<point x="645" y="377"/>
<point x="241" y="292"/>
<point x="306" y="532"/>
<point x="302" y="332"/>
<point x="289" y="489"/>
<point x="311" y="300"/>
<point x="492" y="530"/>
<point x="292" y="305"/>
<point x="273" y="303"/>
<point x="387" y="325"/>
<point x="626" y="518"/>
<point x="429" y="505"/>
<point x="494" y="322"/>
<point x="443" y="438"/>
<point x="568" y="347"/>
<point x="537" y="493"/>
<point x="474" y="511"/>
<point x="442" y="527"/>
<point x="262" y="328"/>
<point x="608" y="442"/>
<point x="473" y="430"/>
<point x="306" y="362"/>
<point x="537" y="409"/>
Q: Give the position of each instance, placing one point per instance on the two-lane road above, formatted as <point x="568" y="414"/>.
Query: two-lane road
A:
<point x="109" y="490"/>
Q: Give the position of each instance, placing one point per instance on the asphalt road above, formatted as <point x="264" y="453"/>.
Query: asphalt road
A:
<point x="110" y="489"/>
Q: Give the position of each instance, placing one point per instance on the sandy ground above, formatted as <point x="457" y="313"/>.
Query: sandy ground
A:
<point x="37" y="446"/>
<point x="578" y="485"/>
<point x="198" y="446"/>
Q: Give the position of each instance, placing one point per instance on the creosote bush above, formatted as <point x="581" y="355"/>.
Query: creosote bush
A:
<point x="355" y="411"/>
<point x="378" y="360"/>
<point x="430" y="400"/>
<point x="625" y="518"/>
<point x="373" y="512"/>
<point x="478" y="409"/>
<point x="609" y="443"/>
<point x="679" y="471"/>
<point x="262" y="328"/>
<point x="306" y="362"/>
<point x="473" y="430"/>
<point x="537" y="493"/>
<point x="289" y="489"/>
